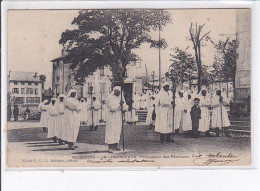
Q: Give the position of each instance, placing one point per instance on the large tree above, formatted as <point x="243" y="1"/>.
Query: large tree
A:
<point x="107" y="38"/>
<point x="183" y="63"/>
<point x="226" y="59"/>
<point x="199" y="40"/>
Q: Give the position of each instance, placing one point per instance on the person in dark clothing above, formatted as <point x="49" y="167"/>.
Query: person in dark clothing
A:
<point x="9" y="113"/>
<point x="16" y="112"/>
<point x="27" y="113"/>
<point x="195" y="114"/>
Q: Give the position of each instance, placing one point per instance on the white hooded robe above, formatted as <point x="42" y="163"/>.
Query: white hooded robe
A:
<point x="204" y="122"/>
<point x="164" y="112"/>
<point x="52" y="131"/>
<point x="114" y="118"/>
<point x="218" y="109"/>
<point x="71" y="119"/>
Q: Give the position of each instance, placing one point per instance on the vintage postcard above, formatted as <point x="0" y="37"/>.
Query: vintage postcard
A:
<point x="128" y="88"/>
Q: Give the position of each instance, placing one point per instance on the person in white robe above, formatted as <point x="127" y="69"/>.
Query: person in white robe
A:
<point x="151" y="114"/>
<point x="205" y="103"/>
<point x="71" y="119"/>
<point x="131" y="114"/>
<point x="52" y="131"/>
<point x="179" y="111"/>
<point x="188" y="103"/>
<point x="93" y="113"/>
<point x="220" y="120"/>
<point x="43" y="108"/>
<point x="164" y="114"/>
<point x="83" y="115"/>
<point x="114" y="124"/>
<point x="60" y="108"/>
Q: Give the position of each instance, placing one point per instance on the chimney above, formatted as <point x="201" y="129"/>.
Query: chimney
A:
<point x="36" y="74"/>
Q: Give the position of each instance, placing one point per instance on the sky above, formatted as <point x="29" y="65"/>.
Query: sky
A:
<point x="33" y="37"/>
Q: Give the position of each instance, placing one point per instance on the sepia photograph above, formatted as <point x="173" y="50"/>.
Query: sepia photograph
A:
<point x="128" y="88"/>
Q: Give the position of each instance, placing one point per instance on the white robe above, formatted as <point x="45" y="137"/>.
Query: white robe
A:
<point x="187" y="124"/>
<point x="52" y="131"/>
<point x="114" y="119"/>
<point x="96" y="106"/>
<point x="217" y="120"/>
<point x="44" y="115"/>
<point x="131" y="116"/>
<point x="204" y="122"/>
<point x="164" y="112"/>
<point x="83" y="114"/>
<point x="178" y="113"/>
<point x="71" y="120"/>
<point x="60" y="108"/>
<point x="149" y="120"/>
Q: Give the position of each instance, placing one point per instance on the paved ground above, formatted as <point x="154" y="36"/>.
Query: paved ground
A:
<point x="26" y="136"/>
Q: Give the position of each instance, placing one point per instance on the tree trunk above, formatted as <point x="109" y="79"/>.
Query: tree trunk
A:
<point x="199" y="79"/>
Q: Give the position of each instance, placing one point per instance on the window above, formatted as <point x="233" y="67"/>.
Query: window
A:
<point x="36" y="83"/>
<point x="102" y="71"/>
<point x="29" y="91"/>
<point x="36" y="100"/>
<point x="29" y="100"/>
<point x="102" y="87"/>
<point x="15" y="83"/>
<point x="22" y="83"/>
<point x="19" y="100"/>
<point x="36" y="91"/>
<point x="22" y="90"/>
<point x="29" y="83"/>
<point x="15" y="90"/>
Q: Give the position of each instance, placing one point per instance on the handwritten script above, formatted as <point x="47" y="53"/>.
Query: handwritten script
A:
<point x="217" y="159"/>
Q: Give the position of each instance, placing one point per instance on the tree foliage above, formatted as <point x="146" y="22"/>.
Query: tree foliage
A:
<point x="199" y="40"/>
<point x="225" y="60"/>
<point x="107" y="38"/>
<point x="183" y="64"/>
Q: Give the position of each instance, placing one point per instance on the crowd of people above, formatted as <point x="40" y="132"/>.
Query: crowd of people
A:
<point x="186" y="112"/>
<point x="62" y="117"/>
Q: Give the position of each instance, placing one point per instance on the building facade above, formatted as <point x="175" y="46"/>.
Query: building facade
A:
<point x="24" y="89"/>
<point x="243" y="72"/>
<point x="100" y="80"/>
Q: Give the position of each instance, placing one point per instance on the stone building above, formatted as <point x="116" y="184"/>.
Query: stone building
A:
<point x="243" y="72"/>
<point x="100" y="80"/>
<point x="62" y="77"/>
<point x="24" y="89"/>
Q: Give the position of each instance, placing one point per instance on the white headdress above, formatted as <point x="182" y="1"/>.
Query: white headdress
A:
<point x="117" y="88"/>
<point x="45" y="101"/>
<point x="165" y="84"/>
<point x="72" y="91"/>
<point x="61" y="95"/>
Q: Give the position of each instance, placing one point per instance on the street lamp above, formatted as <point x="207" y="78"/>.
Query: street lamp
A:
<point x="92" y="114"/>
<point x="173" y="76"/>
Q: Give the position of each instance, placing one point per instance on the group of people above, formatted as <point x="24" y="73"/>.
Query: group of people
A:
<point x="186" y="112"/>
<point x="16" y="112"/>
<point x="191" y="113"/>
<point x="62" y="117"/>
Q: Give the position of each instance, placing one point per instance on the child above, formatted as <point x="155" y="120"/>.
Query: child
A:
<point x="195" y="114"/>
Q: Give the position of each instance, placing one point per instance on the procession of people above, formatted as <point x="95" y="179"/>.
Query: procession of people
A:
<point x="185" y="112"/>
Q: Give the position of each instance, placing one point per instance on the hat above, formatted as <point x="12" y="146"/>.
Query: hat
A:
<point x="165" y="84"/>
<point x="117" y="88"/>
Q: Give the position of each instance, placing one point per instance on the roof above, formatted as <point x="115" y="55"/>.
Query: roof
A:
<point x="24" y="76"/>
<point x="57" y="59"/>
